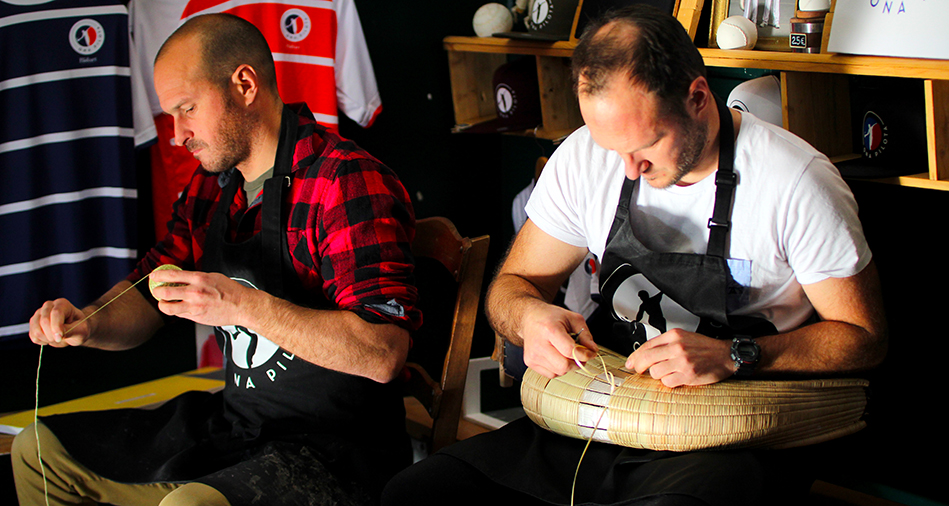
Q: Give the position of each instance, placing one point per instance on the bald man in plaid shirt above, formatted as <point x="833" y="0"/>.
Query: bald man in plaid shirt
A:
<point x="294" y="245"/>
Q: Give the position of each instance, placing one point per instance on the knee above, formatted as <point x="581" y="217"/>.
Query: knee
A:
<point x="23" y="452"/>
<point x="195" y="494"/>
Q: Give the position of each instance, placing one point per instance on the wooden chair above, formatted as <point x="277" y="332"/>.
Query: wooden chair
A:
<point x="442" y="346"/>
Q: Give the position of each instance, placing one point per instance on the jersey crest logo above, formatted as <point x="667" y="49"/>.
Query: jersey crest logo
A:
<point x="86" y="36"/>
<point x="541" y="12"/>
<point x="295" y="25"/>
<point x="875" y="135"/>
<point x="506" y="100"/>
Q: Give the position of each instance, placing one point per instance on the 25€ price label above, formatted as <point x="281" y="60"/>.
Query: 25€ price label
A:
<point x="798" y="40"/>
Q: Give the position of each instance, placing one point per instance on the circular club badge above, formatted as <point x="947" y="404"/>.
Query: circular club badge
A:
<point x="504" y="96"/>
<point x="540" y="13"/>
<point x="86" y="36"/>
<point x="295" y="25"/>
<point x="875" y="135"/>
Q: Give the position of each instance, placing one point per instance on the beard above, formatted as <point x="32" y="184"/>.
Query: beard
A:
<point x="234" y="139"/>
<point x="693" y="137"/>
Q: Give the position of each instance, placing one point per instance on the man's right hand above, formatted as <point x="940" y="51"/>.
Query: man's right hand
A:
<point x="548" y="345"/>
<point x="51" y="321"/>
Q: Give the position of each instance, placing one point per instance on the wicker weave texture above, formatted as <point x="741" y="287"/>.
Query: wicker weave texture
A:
<point x="643" y="413"/>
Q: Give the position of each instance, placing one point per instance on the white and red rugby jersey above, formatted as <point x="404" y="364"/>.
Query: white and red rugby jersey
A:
<point x="318" y="46"/>
<point x="320" y="56"/>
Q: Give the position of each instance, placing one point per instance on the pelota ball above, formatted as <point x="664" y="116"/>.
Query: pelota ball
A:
<point x="492" y="18"/>
<point x="736" y="32"/>
<point x="152" y="285"/>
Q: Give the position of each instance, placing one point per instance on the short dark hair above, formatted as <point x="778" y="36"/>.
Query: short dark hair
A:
<point x="648" y="46"/>
<point x="227" y="41"/>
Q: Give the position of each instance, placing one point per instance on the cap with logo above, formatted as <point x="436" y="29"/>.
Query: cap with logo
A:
<point x="552" y="20"/>
<point x="548" y="20"/>
<point x="761" y="97"/>
<point x="516" y="99"/>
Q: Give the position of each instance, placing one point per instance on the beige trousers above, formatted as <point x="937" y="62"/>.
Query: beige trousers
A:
<point x="68" y="482"/>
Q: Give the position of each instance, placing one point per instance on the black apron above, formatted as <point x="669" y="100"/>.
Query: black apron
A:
<point x="277" y="408"/>
<point x="540" y="463"/>
<point x="700" y="284"/>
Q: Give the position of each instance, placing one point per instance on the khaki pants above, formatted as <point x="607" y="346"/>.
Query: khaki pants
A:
<point x="69" y="482"/>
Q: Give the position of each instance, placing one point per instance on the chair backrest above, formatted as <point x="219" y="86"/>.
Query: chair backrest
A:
<point x="444" y="350"/>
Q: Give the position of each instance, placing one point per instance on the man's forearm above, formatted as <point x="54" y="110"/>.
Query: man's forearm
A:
<point x="335" y="339"/>
<point x="125" y="323"/>
<point x="506" y="300"/>
<point x="827" y="347"/>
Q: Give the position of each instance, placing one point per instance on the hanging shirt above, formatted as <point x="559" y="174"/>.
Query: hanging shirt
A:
<point x="320" y="56"/>
<point x="67" y="210"/>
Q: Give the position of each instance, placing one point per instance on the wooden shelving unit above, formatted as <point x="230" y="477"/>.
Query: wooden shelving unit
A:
<point x="814" y="91"/>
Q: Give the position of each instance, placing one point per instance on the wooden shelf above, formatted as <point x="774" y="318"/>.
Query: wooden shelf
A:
<point x="815" y="92"/>
<point x="828" y="63"/>
<point x="508" y="46"/>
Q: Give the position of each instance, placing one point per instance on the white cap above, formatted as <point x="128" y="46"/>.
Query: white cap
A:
<point x="761" y="97"/>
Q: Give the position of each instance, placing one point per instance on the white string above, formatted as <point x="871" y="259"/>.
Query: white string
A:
<point x="39" y="363"/>
<point x="36" y="431"/>
<point x="610" y="377"/>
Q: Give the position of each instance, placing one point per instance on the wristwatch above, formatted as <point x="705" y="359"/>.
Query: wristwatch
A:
<point x="745" y="353"/>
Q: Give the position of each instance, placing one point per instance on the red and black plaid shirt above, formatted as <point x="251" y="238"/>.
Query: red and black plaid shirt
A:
<point x="351" y="223"/>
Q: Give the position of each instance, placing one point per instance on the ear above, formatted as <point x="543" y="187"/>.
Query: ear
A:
<point x="700" y="97"/>
<point x="245" y="84"/>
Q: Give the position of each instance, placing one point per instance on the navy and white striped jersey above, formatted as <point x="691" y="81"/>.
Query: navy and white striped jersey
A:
<point x="67" y="175"/>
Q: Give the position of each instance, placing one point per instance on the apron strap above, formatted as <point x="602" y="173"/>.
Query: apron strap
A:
<point x="725" y="180"/>
<point x="273" y="233"/>
<point x="622" y="209"/>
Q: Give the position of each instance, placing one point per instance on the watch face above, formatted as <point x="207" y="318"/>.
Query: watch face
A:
<point x="747" y="350"/>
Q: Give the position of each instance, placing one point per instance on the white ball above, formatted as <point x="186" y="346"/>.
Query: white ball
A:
<point x="736" y="32"/>
<point x="492" y="18"/>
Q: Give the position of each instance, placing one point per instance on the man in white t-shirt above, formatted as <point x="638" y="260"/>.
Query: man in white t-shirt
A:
<point x="794" y="245"/>
<point x="738" y="237"/>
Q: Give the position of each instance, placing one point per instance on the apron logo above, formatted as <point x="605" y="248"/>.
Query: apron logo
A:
<point x="249" y="350"/>
<point x="86" y="36"/>
<point x="637" y="299"/>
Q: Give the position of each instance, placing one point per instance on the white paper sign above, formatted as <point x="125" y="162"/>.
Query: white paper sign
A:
<point x="909" y="28"/>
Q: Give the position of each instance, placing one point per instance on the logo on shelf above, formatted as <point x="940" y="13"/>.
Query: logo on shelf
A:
<point x="875" y="135"/>
<point x="86" y="36"/>
<point x="295" y="25"/>
<point x="541" y="12"/>
<point x="505" y="99"/>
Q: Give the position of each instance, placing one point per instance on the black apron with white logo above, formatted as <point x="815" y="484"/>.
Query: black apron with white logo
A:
<point x="524" y="457"/>
<point x="271" y="393"/>
<point x="700" y="284"/>
<point x="281" y="423"/>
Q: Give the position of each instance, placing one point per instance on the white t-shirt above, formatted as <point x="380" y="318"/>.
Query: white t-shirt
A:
<point x="794" y="220"/>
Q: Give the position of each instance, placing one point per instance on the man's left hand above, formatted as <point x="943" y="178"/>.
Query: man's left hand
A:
<point x="679" y="357"/>
<point x="208" y="298"/>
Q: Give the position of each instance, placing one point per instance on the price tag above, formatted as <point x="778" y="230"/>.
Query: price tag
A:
<point x="798" y="40"/>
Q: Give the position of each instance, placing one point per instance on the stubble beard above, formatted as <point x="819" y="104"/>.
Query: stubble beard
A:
<point x="694" y="137"/>
<point x="234" y="139"/>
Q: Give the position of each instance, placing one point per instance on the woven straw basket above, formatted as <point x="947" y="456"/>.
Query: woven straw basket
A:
<point x="643" y="413"/>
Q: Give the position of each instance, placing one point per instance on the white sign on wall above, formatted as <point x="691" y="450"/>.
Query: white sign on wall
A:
<point x="909" y="28"/>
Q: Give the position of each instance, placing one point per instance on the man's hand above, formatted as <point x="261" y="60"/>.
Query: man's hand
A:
<point x="679" y="357"/>
<point x="208" y="298"/>
<point x="548" y="344"/>
<point x="51" y="321"/>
